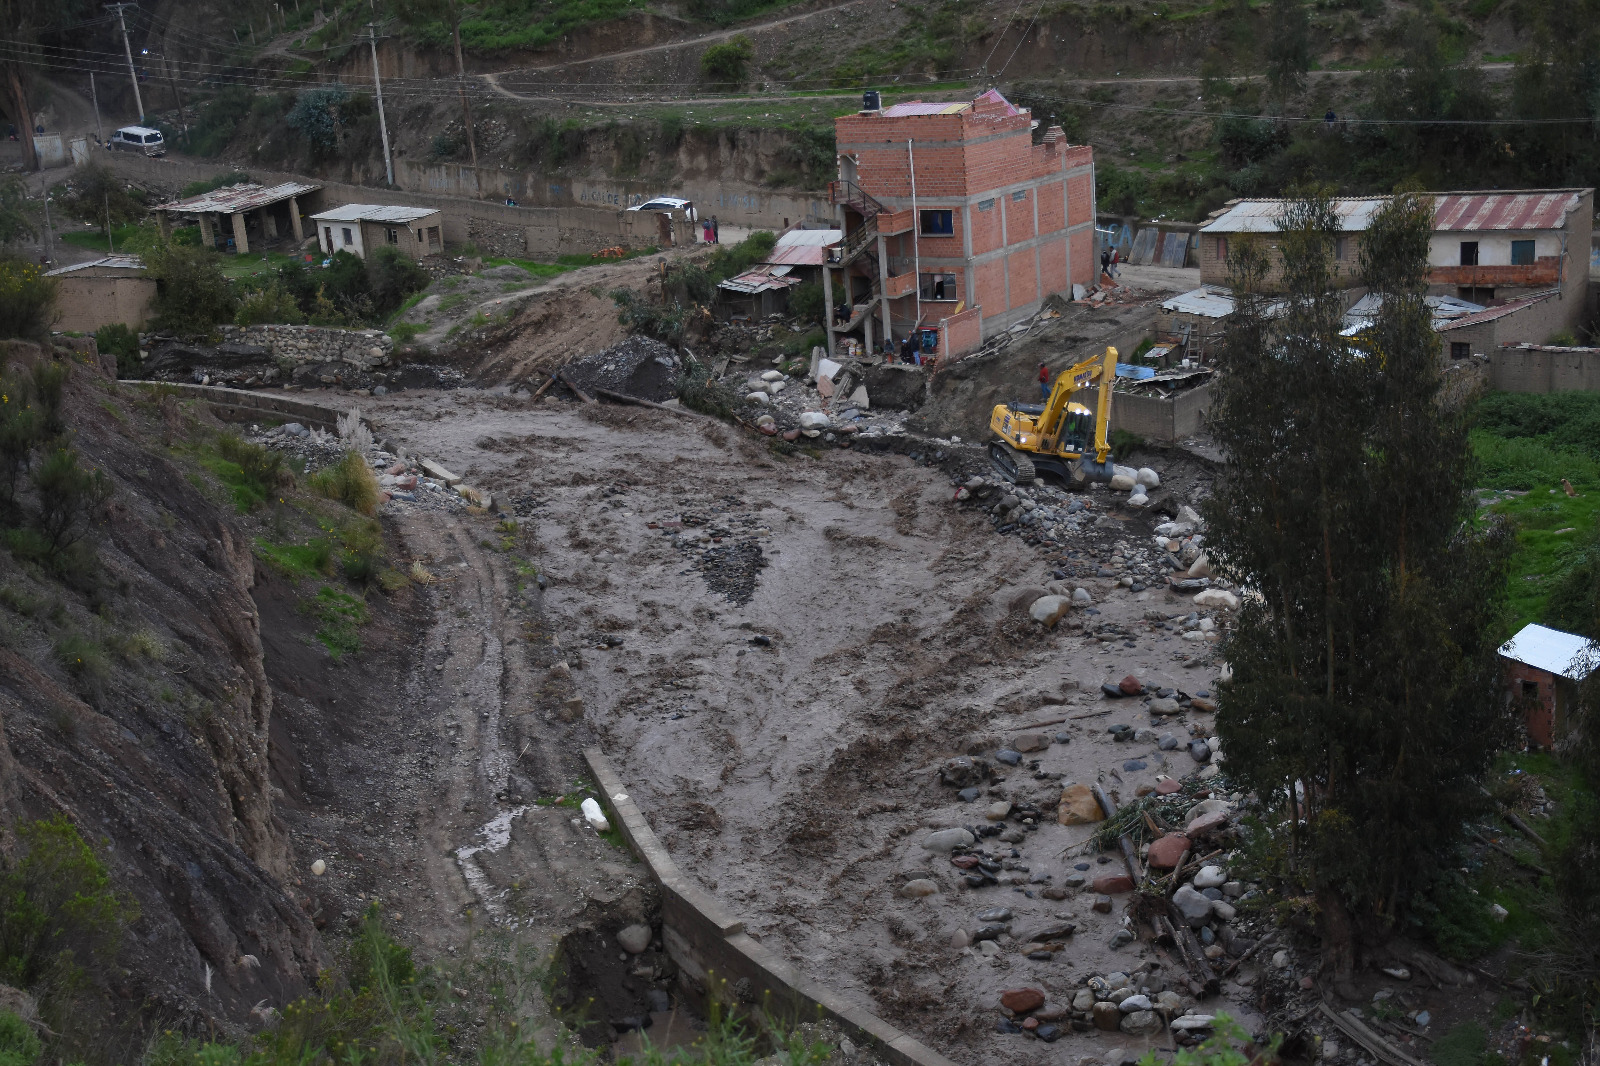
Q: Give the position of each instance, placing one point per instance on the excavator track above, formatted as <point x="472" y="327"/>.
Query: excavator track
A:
<point x="1011" y="464"/>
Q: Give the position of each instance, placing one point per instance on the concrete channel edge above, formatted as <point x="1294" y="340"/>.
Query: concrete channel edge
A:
<point x="709" y="943"/>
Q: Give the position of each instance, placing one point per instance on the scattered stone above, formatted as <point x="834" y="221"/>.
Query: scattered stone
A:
<point x="1223" y="911"/>
<point x="1122" y="483"/>
<point x="1233" y="889"/>
<point x="1194" y="907"/>
<point x="1280" y="960"/>
<point x="1022" y="1000"/>
<point x="995" y="914"/>
<point x="1121" y="938"/>
<point x="960" y="939"/>
<point x="1167" y="742"/>
<point x="967" y="795"/>
<point x="1081" y="597"/>
<point x="1114" y="884"/>
<point x="1009" y="757"/>
<point x="1049" y="609"/>
<point x="1148" y="478"/>
<point x="1106" y="1016"/>
<point x="1142" y="1023"/>
<point x="1078" y="806"/>
<point x="1168" y="852"/>
<point x="1498" y="913"/>
<point x="1110" y="691"/>
<point x="1399" y="973"/>
<point x="1134" y="764"/>
<point x="918" y="888"/>
<point x="1029" y="742"/>
<point x="634" y="938"/>
<point x="1165" y="706"/>
<point x="1210" y="877"/>
<point x="1136" y="1002"/>
<point x="1168" y="785"/>
<point x="948" y="840"/>
<point x="1102" y="905"/>
<point x="1131" y="686"/>
<point x="1203" y="705"/>
<point x="1207" y="824"/>
<point x="964" y="771"/>
<point x="1216" y="598"/>
<point x="1199" y="751"/>
<point x="998" y="811"/>
<point x="1083" y="1000"/>
<point x="1169" y="1002"/>
<point x="1192" y="1022"/>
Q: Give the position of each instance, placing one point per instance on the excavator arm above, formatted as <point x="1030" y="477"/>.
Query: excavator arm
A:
<point x="1102" y="412"/>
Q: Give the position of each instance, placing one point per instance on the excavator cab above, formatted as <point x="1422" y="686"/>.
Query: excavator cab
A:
<point x="1078" y="430"/>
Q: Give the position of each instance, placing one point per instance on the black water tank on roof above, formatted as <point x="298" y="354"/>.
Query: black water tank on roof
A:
<point x="871" y="101"/>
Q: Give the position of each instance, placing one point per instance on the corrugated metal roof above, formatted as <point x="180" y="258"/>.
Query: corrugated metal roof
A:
<point x="807" y="247"/>
<point x="110" y="262"/>
<point x="757" y="281"/>
<point x="234" y="198"/>
<point x="1446" y="310"/>
<point x="1261" y="216"/>
<point x="1207" y="303"/>
<point x="1489" y="314"/>
<point x="374" y="213"/>
<point x="1564" y="654"/>
<point x="1533" y="209"/>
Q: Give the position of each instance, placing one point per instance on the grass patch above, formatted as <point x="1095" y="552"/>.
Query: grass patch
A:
<point x="339" y="617"/>
<point x="250" y="472"/>
<point x="93" y="240"/>
<point x="296" y="560"/>
<point x="350" y="481"/>
<point x="81" y="656"/>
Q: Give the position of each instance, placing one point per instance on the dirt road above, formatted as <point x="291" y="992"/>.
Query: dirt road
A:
<point x="778" y="699"/>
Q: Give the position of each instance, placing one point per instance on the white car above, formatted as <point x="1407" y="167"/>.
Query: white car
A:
<point x="138" y="139"/>
<point x="667" y="203"/>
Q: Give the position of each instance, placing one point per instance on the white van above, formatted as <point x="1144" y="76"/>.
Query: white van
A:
<point x="138" y="139"/>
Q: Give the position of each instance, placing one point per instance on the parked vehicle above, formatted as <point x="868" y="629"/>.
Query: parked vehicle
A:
<point x="667" y="203"/>
<point x="138" y="139"/>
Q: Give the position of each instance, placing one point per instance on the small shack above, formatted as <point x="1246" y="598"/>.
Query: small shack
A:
<point x="363" y="228"/>
<point x="256" y="212"/>
<point x="797" y="256"/>
<point x="1543" y="669"/>
<point x="103" y="291"/>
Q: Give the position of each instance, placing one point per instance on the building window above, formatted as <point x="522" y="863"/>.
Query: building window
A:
<point x="1338" y="248"/>
<point x="1469" y="253"/>
<point x="1222" y="247"/>
<point x="1019" y="196"/>
<point x="938" y="223"/>
<point x="986" y="205"/>
<point x="327" y="233"/>
<point x="419" y="236"/>
<point x="1530" y="690"/>
<point x="938" y="286"/>
<point x="1460" y="350"/>
<point x="348" y="239"/>
<point x="393" y="235"/>
<point x="1522" y="253"/>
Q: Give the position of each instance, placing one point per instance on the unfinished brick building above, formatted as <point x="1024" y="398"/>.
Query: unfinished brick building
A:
<point x="956" y="225"/>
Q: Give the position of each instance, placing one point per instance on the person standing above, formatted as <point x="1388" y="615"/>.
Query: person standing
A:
<point x="1044" y="382"/>
<point x="1116" y="257"/>
<point x="716" y="231"/>
<point x="1105" y="262"/>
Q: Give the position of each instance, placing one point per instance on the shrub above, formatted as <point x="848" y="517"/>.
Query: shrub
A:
<point x="49" y="385"/>
<point x="58" y="911"/>
<point x="192" y="295"/>
<point x="27" y="299"/>
<point x="16" y="213"/>
<point x="19" y="433"/>
<point x="252" y="472"/>
<point x="118" y="340"/>
<point x="95" y="193"/>
<point x="806" y="301"/>
<point x="731" y="259"/>
<point x="81" y="656"/>
<point x="362" y="559"/>
<point x="68" y="494"/>
<point x="350" y="481"/>
<point x="391" y="277"/>
<point x="19" y="1045"/>
<point x="725" y="65"/>
<point x="315" y="116"/>
<point x="271" y="304"/>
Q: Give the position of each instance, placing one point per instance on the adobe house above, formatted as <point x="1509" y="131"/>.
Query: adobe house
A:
<point x="363" y="228"/>
<point x="269" y="216"/>
<point x="1543" y="669"/>
<point x="1488" y="248"/>
<point x="955" y="224"/>
<point x="101" y="292"/>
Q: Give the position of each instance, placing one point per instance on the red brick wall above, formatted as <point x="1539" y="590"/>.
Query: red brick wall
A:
<point x="1053" y="263"/>
<point x="1024" y="280"/>
<point x="1080" y="199"/>
<point x="986" y="227"/>
<point x="962" y="333"/>
<point x="1019" y="216"/>
<point x="1052" y="212"/>
<point x="991" y="277"/>
<point x="1541" y="714"/>
<point x="1085" y="265"/>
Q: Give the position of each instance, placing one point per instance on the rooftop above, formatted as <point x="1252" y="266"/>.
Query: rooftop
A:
<point x="1446" y="311"/>
<point x="804" y="247"/>
<point x="373" y="213"/>
<point x="1553" y="651"/>
<point x="1489" y="314"/>
<point x="1454" y="212"/>
<point x="759" y="280"/>
<point x="110" y="262"/>
<point x="918" y="107"/>
<point x="231" y="199"/>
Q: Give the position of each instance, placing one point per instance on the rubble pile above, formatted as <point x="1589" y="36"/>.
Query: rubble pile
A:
<point x="402" y="482"/>
<point x="724" y="546"/>
<point x="640" y="366"/>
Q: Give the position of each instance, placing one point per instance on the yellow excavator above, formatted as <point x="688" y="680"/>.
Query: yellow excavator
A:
<point x="1058" y="436"/>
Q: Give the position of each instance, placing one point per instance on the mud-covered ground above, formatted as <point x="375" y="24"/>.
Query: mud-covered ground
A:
<point x="778" y="653"/>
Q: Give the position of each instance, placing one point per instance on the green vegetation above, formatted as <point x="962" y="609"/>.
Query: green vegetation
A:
<point x="27" y="299"/>
<point x="315" y="116"/>
<point x="19" y="1044"/>
<point x="18" y="217"/>
<point x="94" y="240"/>
<point x="297" y="560"/>
<point x="192" y="295"/>
<point x="349" y="481"/>
<point x="118" y="340"/>
<point x="253" y="474"/>
<point x="339" y="616"/>
<point x="233" y="177"/>
<point x="727" y="64"/>
<point x="95" y="194"/>
<point x="1361" y="534"/>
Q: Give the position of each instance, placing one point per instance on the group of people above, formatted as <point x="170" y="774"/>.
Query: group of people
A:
<point x="909" y="351"/>
<point x="1109" y="258"/>
<point x="708" y="227"/>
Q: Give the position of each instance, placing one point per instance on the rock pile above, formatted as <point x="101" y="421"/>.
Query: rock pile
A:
<point x="639" y="366"/>
<point x="724" y="546"/>
<point x="1137" y="1004"/>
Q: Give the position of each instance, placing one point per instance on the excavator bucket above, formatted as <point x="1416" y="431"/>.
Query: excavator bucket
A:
<point x="1094" y="471"/>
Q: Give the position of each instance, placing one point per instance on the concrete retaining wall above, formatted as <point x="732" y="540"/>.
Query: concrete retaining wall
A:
<point x="1178" y="416"/>
<point x="242" y="405"/>
<point x="1544" y="369"/>
<point x="710" y="946"/>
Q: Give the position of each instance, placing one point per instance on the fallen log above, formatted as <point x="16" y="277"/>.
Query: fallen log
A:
<point x="1202" y="978"/>
<point x="1380" y="1048"/>
<point x="1508" y="853"/>
<point x="622" y="397"/>
<point x="584" y="396"/>
<point x="1236" y="963"/>
<point x="1129" y="856"/>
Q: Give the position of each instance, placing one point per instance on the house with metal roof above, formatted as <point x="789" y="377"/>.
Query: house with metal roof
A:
<point x="1543" y="669"/>
<point x="798" y="256"/>
<point x="267" y="215"/>
<point x="1487" y="248"/>
<point x="363" y="228"/>
<point x="100" y="292"/>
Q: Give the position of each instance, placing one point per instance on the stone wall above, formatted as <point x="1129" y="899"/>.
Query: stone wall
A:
<point x="364" y="348"/>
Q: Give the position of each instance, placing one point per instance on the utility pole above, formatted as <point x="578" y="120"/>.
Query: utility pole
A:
<point x="99" y="134"/>
<point x="127" y="50"/>
<point x="111" y="244"/>
<point x="49" y="231"/>
<point x="461" y="87"/>
<point x="377" y="84"/>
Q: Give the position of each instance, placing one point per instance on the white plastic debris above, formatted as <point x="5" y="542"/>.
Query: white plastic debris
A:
<point x="595" y="816"/>
<point x="619" y="797"/>
<point x="319" y="868"/>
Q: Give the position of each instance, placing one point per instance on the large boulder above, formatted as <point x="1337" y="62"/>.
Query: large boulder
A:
<point x="1078" y="806"/>
<point x="1194" y="906"/>
<point x="897" y="386"/>
<point x="1049" y="609"/>
<point x="1216" y="598"/>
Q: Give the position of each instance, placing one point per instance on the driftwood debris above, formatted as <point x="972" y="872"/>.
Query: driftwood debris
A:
<point x="1129" y="856"/>
<point x="1508" y="853"/>
<point x="1356" y="1030"/>
<point x="584" y="396"/>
